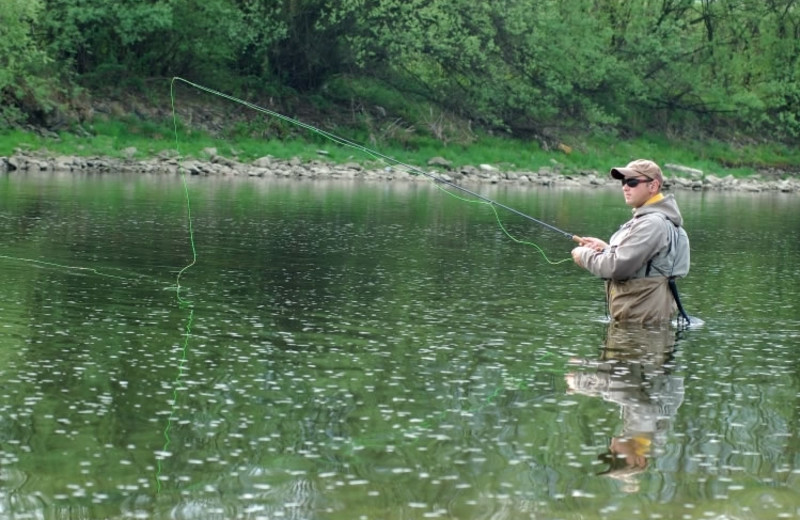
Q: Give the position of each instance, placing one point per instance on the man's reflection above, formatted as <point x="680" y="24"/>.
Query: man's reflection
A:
<point x="634" y="371"/>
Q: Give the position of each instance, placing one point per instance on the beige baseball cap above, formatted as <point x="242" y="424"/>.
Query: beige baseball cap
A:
<point x="639" y="168"/>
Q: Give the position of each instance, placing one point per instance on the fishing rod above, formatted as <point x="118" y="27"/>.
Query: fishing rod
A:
<point x="487" y="200"/>
<point x="374" y="154"/>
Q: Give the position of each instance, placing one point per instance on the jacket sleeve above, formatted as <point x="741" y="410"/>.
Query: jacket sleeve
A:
<point x="630" y="249"/>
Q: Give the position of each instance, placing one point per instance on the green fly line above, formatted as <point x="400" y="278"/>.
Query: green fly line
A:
<point x="65" y="267"/>
<point x="439" y="182"/>
<point x="503" y="228"/>
<point x="181" y="367"/>
<point x="183" y="303"/>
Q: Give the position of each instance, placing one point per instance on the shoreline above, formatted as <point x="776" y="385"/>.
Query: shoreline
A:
<point x="676" y="177"/>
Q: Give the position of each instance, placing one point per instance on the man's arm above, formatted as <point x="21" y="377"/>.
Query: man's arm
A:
<point x="637" y="245"/>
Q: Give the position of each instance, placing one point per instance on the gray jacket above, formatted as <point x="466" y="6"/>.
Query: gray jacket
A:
<point x="642" y="255"/>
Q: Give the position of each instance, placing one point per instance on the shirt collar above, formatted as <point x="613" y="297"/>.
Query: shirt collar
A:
<point x="655" y="198"/>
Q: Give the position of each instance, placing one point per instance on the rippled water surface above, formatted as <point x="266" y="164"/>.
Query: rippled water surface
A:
<point x="383" y="351"/>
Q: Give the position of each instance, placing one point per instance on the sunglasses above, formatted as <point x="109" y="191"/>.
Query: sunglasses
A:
<point x="632" y="183"/>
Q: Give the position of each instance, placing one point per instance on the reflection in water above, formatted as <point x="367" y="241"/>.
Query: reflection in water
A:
<point x="634" y="371"/>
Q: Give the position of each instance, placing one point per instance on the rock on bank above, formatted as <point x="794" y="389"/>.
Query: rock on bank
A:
<point x="676" y="176"/>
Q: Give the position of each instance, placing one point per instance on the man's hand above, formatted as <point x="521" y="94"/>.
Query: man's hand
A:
<point x="576" y="255"/>
<point x="593" y="243"/>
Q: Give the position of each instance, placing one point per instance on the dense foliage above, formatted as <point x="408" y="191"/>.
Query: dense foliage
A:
<point x="520" y="66"/>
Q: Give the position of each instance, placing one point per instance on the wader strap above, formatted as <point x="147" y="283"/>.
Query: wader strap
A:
<point x="673" y="287"/>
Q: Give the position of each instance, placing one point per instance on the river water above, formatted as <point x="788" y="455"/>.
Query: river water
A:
<point x="383" y="351"/>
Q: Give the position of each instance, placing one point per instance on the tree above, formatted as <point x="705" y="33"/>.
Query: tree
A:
<point x="24" y="88"/>
<point x="519" y="66"/>
<point x="105" y="43"/>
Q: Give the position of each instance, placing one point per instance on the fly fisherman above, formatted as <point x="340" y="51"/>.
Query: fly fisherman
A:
<point x="643" y="258"/>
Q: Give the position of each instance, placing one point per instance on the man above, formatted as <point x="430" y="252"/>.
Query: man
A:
<point x="643" y="258"/>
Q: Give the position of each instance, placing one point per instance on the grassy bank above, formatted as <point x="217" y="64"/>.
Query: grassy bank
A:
<point x="245" y="142"/>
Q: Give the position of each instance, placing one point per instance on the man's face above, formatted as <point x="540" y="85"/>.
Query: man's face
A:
<point x="635" y="454"/>
<point x="637" y="195"/>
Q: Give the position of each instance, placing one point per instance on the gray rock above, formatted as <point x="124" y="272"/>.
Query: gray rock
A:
<point x="691" y="172"/>
<point x="439" y="161"/>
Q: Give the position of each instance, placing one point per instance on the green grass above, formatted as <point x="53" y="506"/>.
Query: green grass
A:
<point x="247" y="142"/>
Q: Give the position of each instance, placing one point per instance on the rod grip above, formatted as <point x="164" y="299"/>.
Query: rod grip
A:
<point x="576" y="238"/>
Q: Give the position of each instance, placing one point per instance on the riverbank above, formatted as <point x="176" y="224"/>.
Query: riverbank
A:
<point x="677" y="177"/>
